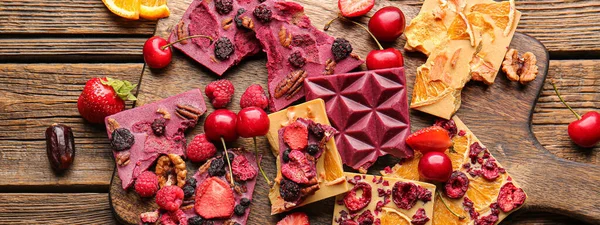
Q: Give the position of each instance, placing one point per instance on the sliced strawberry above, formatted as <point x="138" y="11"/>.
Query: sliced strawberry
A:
<point x="295" y="136"/>
<point x="214" y="199"/>
<point x="354" y="8"/>
<point x="297" y="218"/>
<point x="430" y="139"/>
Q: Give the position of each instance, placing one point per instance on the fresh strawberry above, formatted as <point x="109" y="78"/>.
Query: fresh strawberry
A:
<point x="102" y="97"/>
<point x="354" y="8"/>
<point x="297" y="218"/>
<point x="295" y="136"/>
<point x="430" y="139"/>
<point x="214" y="199"/>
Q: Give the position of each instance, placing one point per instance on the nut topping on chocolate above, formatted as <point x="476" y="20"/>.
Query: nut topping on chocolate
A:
<point x="247" y="22"/>
<point x="226" y="23"/>
<point x="285" y="38"/>
<point x="112" y="124"/>
<point x="329" y="67"/>
<point x="523" y="69"/>
<point x="123" y="158"/>
<point x="188" y="112"/>
<point x="291" y="84"/>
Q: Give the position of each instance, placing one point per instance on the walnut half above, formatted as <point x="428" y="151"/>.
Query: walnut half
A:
<point x="522" y="69"/>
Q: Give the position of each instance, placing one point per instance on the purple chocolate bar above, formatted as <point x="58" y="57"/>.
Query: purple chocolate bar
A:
<point x="202" y="18"/>
<point x="370" y="111"/>
<point x="179" y="112"/>
<point x="295" y="50"/>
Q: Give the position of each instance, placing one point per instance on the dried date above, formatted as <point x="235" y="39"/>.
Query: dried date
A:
<point x="60" y="146"/>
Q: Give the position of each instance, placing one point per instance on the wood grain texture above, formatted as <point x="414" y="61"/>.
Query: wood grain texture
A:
<point x="32" y="97"/>
<point x="44" y="208"/>
<point x="514" y="145"/>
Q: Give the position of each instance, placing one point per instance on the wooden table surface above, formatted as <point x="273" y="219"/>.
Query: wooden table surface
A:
<point x="50" y="48"/>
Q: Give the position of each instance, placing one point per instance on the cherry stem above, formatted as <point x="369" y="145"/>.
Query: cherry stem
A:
<point x="228" y="162"/>
<point x="258" y="160"/>
<point x="185" y="38"/>
<point x="448" y="208"/>
<point x="563" y="101"/>
<point x="362" y="26"/>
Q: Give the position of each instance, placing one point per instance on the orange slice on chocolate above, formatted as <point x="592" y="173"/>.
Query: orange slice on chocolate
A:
<point x="427" y="91"/>
<point x="393" y="217"/>
<point x="443" y="216"/>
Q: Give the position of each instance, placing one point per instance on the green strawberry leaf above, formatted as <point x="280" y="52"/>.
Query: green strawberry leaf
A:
<point x="122" y="88"/>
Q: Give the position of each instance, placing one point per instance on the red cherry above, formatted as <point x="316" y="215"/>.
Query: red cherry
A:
<point x="155" y="55"/>
<point x="387" y="58"/>
<point x="221" y="123"/>
<point x="585" y="131"/>
<point x="387" y="24"/>
<point x="252" y="121"/>
<point x="435" y="166"/>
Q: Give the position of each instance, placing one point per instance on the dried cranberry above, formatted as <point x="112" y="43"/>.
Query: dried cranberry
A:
<point x="296" y="59"/>
<point x="238" y="21"/>
<point x="223" y="48"/>
<point x="510" y="197"/>
<point x="262" y="13"/>
<point x="217" y="167"/>
<point x="289" y="190"/>
<point x="121" y="139"/>
<point x="490" y="219"/>
<point x="366" y="218"/>
<point x="462" y="133"/>
<point x="286" y="155"/>
<point x="224" y="6"/>
<point x="158" y="126"/>
<point x="420" y="217"/>
<point x="316" y="129"/>
<point x="312" y="149"/>
<point x="424" y="194"/>
<point x="355" y="203"/>
<point x="457" y="185"/>
<point x="448" y="125"/>
<point x="490" y="170"/>
<point x="300" y="169"/>
<point x="405" y="194"/>
<point x="341" y="49"/>
<point x="474" y="150"/>
<point x="468" y="205"/>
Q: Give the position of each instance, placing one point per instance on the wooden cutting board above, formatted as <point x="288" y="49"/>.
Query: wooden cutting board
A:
<point x="499" y="115"/>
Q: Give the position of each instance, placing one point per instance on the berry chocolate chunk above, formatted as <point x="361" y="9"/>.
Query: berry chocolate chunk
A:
<point x="385" y="199"/>
<point x="138" y="139"/>
<point x="295" y="49"/>
<point x="218" y="19"/>
<point x="479" y="191"/>
<point x="309" y="167"/>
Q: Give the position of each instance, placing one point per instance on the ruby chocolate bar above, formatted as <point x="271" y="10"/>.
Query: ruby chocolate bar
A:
<point x="295" y="49"/>
<point x="219" y="20"/>
<point x="140" y="135"/>
<point x="370" y="111"/>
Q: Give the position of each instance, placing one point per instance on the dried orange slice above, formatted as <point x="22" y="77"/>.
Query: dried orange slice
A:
<point x="407" y="169"/>
<point x="332" y="166"/>
<point x="483" y="192"/>
<point x="498" y="11"/>
<point x="443" y="216"/>
<point x="424" y="33"/>
<point x="129" y="9"/>
<point x="393" y="217"/>
<point x="426" y="91"/>
<point x="458" y="29"/>
<point x="457" y="153"/>
<point x="154" y="9"/>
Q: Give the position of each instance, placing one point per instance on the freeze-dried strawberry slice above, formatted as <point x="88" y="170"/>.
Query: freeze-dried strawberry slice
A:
<point x="295" y="136"/>
<point x="300" y="168"/>
<point x="355" y="203"/>
<point x="510" y="197"/>
<point x="242" y="169"/>
<point x="490" y="170"/>
<point x="214" y="199"/>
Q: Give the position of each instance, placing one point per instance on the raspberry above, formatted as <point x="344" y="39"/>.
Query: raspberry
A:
<point x="341" y="49"/>
<point x="219" y="92"/>
<point x="300" y="169"/>
<point x="254" y="96"/>
<point x="149" y="217"/>
<point x="262" y="13"/>
<point x="146" y="184"/>
<point x="242" y="169"/>
<point x="355" y="203"/>
<point x="289" y="190"/>
<point x="223" y="49"/>
<point x="510" y="197"/>
<point x="420" y="217"/>
<point x="158" y="126"/>
<point x="405" y="194"/>
<point x="295" y="135"/>
<point x="174" y="218"/>
<point x="294" y="218"/>
<point x="214" y="199"/>
<point x="200" y="149"/>
<point x="457" y="185"/>
<point x="169" y="198"/>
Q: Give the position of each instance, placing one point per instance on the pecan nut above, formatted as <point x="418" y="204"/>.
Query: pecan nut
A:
<point x="164" y="112"/>
<point x="522" y="69"/>
<point x="290" y="85"/>
<point x="247" y="22"/>
<point x="285" y="38"/>
<point x="330" y="67"/>
<point x="181" y="32"/>
<point x="188" y="112"/>
<point x="122" y="158"/>
<point x="112" y="124"/>
<point x="227" y="23"/>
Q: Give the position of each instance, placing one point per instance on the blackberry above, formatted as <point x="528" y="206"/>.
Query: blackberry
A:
<point x="196" y="220"/>
<point x="122" y="139"/>
<point x="286" y="155"/>
<point x="238" y="21"/>
<point x="317" y="130"/>
<point x="158" y="126"/>
<point x="217" y="167"/>
<point x="224" y="6"/>
<point x="312" y="149"/>
<point x="223" y="48"/>
<point x="239" y="210"/>
<point x="296" y="59"/>
<point x="188" y="190"/>
<point x="192" y="182"/>
<point x="245" y="202"/>
<point x="341" y="49"/>
<point x="289" y="190"/>
<point x="262" y="13"/>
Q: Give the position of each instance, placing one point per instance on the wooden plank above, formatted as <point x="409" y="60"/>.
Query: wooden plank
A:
<point x="66" y="17"/>
<point x="32" y="97"/>
<point x="44" y="208"/>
